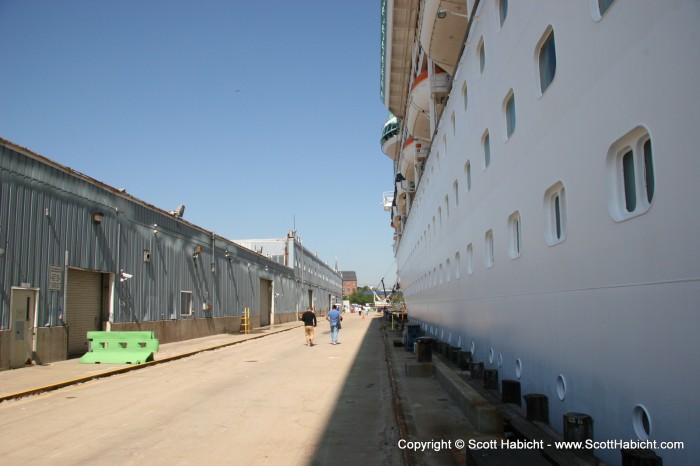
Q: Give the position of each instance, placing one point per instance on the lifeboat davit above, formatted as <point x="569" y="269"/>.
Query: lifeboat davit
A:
<point x="396" y="218"/>
<point x="401" y="204"/>
<point x="390" y="137"/>
<point x="443" y="27"/>
<point x="418" y="112"/>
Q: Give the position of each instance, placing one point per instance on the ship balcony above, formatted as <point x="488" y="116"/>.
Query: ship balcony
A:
<point x="443" y="27"/>
<point x="390" y="138"/>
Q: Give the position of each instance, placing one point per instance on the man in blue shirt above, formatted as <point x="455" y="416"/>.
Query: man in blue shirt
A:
<point x="334" y="318"/>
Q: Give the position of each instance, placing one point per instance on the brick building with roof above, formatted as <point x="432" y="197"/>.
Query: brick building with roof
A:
<point x="349" y="282"/>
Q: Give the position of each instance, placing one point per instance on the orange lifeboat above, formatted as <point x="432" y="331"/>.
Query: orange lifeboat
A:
<point x="443" y="26"/>
<point x="412" y="148"/>
<point x="418" y="111"/>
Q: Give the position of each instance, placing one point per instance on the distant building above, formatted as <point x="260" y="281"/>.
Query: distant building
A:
<point x="349" y="282"/>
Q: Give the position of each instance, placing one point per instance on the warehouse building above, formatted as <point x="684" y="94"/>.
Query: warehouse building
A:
<point x="78" y="255"/>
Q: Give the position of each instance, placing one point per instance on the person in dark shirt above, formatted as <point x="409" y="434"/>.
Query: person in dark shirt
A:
<point x="309" y="319"/>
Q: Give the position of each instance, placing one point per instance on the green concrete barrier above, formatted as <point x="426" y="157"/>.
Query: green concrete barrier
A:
<point x="120" y="347"/>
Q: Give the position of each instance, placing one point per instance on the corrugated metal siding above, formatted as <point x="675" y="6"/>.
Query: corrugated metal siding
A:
<point x="46" y="220"/>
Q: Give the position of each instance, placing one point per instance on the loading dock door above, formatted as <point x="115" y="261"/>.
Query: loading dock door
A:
<point x="83" y="308"/>
<point x="265" y="301"/>
<point x="22" y="322"/>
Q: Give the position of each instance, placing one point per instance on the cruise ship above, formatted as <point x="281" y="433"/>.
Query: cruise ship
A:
<point x="545" y="211"/>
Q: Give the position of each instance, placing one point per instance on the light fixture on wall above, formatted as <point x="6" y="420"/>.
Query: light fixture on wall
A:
<point x="228" y="256"/>
<point x="179" y="212"/>
<point x="197" y="250"/>
<point x="97" y="217"/>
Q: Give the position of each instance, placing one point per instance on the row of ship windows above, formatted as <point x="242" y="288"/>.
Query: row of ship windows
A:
<point x="547" y="70"/>
<point x="546" y="63"/>
<point x="598" y="9"/>
<point x="546" y="53"/>
<point x="631" y="182"/>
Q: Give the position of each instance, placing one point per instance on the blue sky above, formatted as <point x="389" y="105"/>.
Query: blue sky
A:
<point x="252" y="114"/>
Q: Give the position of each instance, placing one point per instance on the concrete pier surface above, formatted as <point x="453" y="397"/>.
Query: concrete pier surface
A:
<point x="262" y="398"/>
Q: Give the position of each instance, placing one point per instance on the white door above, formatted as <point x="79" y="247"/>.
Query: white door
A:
<point x="22" y="322"/>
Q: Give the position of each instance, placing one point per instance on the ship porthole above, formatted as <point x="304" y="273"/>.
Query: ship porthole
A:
<point x="561" y="387"/>
<point x="518" y="368"/>
<point x="491" y="356"/>
<point x="473" y="345"/>
<point x="500" y="359"/>
<point x="641" y="421"/>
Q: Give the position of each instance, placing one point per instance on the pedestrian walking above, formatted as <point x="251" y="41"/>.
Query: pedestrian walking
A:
<point x="309" y="319"/>
<point x="334" y="318"/>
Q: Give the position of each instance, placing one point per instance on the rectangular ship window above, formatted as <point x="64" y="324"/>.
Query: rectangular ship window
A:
<point x="547" y="60"/>
<point x="631" y="178"/>
<point x="488" y="249"/>
<point x="486" y="141"/>
<point x="555" y="214"/>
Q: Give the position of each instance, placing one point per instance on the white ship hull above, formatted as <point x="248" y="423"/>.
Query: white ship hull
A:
<point x="599" y="308"/>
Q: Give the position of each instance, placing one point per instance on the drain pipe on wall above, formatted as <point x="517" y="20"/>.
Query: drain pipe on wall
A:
<point x="117" y="278"/>
<point x="213" y="272"/>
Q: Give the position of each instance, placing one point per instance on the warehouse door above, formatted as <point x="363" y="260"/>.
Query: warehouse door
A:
<point x="83" y="308"/>
<point x="22" y="322"/>
<point x="265" y="301"/>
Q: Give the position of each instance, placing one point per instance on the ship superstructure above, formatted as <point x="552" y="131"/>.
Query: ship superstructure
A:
<point x="545" y="208"/>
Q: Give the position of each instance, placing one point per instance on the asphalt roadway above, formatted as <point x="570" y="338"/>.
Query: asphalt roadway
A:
<point x="263" y="398"/>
